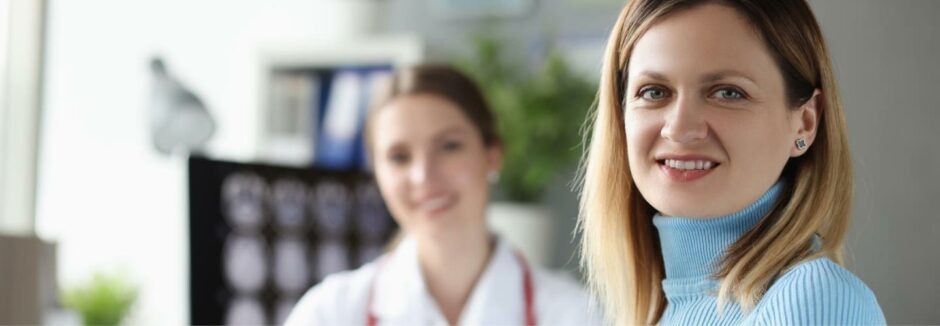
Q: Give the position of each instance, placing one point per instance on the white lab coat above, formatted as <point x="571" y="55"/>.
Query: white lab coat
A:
<point x="401" y="297"/>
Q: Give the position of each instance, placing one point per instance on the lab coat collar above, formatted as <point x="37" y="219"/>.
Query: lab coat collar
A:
<point x="401" y="296"/>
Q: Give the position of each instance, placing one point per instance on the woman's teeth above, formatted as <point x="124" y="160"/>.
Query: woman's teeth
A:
<point x="436" y="203"/>
<point x="690" y="165"/>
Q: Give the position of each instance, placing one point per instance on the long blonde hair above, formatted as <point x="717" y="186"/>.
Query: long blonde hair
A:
<point x="619" y="245"/>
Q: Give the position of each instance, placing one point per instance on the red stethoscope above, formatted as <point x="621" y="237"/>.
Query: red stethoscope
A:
<point x="527" y="288"/>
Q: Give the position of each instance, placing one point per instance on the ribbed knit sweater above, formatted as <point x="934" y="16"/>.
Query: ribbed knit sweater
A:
<point x="815" y="292"/>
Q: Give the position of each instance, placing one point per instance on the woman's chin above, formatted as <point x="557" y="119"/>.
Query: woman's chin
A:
<point x="690" y="205"/>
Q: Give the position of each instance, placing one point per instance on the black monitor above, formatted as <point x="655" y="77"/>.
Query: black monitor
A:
<point x="261" y="235"/>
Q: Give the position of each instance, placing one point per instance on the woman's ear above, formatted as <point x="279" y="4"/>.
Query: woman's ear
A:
<point x="805" y="122"/>
<point x="494" y="157"/>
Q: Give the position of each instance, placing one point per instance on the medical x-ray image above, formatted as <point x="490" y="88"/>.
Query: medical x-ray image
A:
<point x="369" y="251"/>
<point x="371" y="217"/>
<point x="330" y="202"/>
<point x="289" y="198"/>
<point x="262" y="235"/>
<point x="291" y="271"/>
<point x="283" y="309"/>
<point x="243" y="199"/>
<point x="245" y="263"/>
<point x="245" y="310"/>
<point x="332" y="257"/>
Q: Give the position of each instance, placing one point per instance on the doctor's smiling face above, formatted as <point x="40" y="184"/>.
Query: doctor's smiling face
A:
<point x="708" y="123"/>
<point x="431" y="163"/>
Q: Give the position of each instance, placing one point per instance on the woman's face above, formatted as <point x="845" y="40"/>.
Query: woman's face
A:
<point x="707" y="126"/>
<point x="432" y="165"/>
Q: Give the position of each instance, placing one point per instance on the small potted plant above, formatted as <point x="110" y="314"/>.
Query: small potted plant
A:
<point x="539" y="109"/>
<point x="104" y="300"/>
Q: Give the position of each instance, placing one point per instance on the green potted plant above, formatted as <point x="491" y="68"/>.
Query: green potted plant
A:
<point x="540" y="109"/>
<point x="103" y="300"/>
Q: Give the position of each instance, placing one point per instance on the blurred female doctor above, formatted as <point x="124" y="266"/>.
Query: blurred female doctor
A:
<point x="435" y="151"/>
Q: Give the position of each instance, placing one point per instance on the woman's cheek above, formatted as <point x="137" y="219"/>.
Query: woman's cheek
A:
<point x="395" y="191"/>
<point x="458" y="176"/>
<point x="458" y="169"/>
<point x="641" y="133"/>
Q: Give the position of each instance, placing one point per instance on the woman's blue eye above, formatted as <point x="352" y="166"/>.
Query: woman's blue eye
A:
<point x="653" y="93"/>
<point x="729" y="94"/>
<point x="398" y="158"/>
<point x="452" y="146"/>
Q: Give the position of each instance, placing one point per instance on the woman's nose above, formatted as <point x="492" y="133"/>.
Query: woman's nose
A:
<point x="685" y="123"/>
<point x="422" y="171"/>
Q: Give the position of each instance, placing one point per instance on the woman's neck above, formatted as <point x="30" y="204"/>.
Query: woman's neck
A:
<point x="694" y="247"/>
<point x="452" y="265"/>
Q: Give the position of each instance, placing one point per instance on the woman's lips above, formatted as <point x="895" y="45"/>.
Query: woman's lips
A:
<point x="436" y="204"/>
<point x="686" y="171"/>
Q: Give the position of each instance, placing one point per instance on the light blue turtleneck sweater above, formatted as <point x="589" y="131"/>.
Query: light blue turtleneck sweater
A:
<point x="818" y="291"/>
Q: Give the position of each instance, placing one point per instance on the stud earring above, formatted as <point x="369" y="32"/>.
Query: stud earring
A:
<point x="800" y="144"/>
<point x="493" y="177"/>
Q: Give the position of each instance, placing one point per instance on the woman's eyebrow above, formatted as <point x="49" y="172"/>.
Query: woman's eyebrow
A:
<point x="653" y="75"/>
<point x="722" y="74"/>
<point x="450" y="130"/>
<point x="709" y="77"/>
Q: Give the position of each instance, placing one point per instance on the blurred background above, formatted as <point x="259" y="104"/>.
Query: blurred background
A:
<point x="142" y="140"/>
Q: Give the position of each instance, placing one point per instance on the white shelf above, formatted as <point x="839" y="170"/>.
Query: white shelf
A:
<point x="397" y="50"/>
<point x="297" y="149"/>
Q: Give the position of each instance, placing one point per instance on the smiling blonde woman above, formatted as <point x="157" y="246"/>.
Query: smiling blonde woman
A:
<point x="717" y="184"/>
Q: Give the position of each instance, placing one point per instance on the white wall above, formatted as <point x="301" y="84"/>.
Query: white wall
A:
<point x="4" y="48"/>
<point x="20" y="85"/>
<point x="885" y="54"/>
<point x="108" y="199"/>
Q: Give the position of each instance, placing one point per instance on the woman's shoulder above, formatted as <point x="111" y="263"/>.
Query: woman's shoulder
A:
<point x="819" y="291"/>
<point x="335" y="299"/>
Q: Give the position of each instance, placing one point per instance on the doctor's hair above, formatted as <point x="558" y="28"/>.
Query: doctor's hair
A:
<point x="620" y="250"/>
<point x="442" y="81"/>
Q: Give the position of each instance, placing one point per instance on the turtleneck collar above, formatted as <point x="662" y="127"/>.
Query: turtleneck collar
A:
<point x="693" y="247"/>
